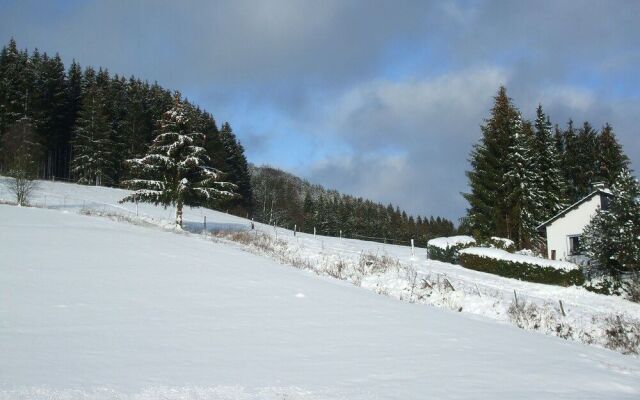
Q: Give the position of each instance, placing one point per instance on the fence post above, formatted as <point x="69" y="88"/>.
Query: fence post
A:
<point x="340" y="233"/>
<point x="314" y="231"/>
<point x="516" y="297"/>
<point x="413" y="253"/>
<point x="562" y="308"/>
<point x="295" y="227"/>
<point x="205" y="224"/>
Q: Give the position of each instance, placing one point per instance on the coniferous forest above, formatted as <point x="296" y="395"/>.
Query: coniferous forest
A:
<point x="525" y="172"/>
<point x="87" y="123"/>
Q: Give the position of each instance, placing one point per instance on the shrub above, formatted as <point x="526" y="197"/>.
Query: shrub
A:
<point x="622" y="334"/>
<point x="521" y="270"/>
<point x="446" y="249"/>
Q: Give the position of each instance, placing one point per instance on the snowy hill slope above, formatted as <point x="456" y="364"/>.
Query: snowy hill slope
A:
<point x="586" y="316"/>
<point x="95" y="309"/>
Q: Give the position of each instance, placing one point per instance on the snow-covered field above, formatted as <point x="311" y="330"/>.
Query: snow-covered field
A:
<point x="92" y="308"/>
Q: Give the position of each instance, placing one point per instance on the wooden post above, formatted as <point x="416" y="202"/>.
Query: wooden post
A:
<point x="340" y="233"/>
<point x="479" y="294"/>
<point x="295" y="227"/>
<point x="314" y="231"/>
<point x="205" y="223"/>
<point x="413" y="253"/>
<point x="562" y="308"/>
<point x="516" y="297"/>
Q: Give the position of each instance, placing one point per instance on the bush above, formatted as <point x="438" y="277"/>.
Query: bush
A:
<point x="500" y="243"/>
<point x="449" y="252"/>
<point x="522" y="271"/>
<point x="622" y="334"/>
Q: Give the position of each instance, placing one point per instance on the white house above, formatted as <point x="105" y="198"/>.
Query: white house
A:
<point x="563" y="231"/>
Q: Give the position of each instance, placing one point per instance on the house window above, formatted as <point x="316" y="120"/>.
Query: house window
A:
<point x="574" y="245"/>
<point x="553" y="254"/>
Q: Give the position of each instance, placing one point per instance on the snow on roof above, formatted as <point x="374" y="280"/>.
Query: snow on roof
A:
<point x="498" y="254"/>
<point x="446" y="242"/>
<point x="605" y="192"/>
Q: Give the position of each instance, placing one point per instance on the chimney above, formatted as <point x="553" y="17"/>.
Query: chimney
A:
<point x="599" y="186"/>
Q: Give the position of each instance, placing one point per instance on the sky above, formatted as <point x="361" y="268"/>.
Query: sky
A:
<point x="379" y="99"/>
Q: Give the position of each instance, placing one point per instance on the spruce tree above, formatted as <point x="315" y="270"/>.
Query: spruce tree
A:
<point x="237" y="166"/>
<point x="488" y="212"/>
<point x="586" y="168"/>
<point x="525" y="186"/>
<point x="547" y="165"/>
<point x="571" y="164"/>
<point x="611" y="159"/>
<point x="613" y="236"/>
<point x="175" y="169"/>
<point x="92" y="162"/>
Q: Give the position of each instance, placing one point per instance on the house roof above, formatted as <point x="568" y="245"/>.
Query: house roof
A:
<point x="604" y="192"/>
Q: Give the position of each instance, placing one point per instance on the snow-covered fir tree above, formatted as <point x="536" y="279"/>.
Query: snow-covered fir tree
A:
<point x="524" y="184"/>
<point x="175" y="171"/>
<point x="613" y="236"/>
<point x="489" y="212"/>
<point x="611" y="159"/>
<point x="548" y="167"/>
<point x="92" y="161"/>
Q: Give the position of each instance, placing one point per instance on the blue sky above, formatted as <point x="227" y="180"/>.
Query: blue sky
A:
<point x="375" y="98"/>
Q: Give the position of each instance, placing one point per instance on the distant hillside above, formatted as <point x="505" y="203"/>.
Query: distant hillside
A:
<point x="286" y="200"/>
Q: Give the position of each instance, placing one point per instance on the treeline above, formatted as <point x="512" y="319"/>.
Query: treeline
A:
<point x="89" y="122"/>
<point x="524" y="172"/>
<point x="286" y="200"/>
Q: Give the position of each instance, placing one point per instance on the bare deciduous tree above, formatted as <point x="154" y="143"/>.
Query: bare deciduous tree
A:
<point x="19" y="156"/>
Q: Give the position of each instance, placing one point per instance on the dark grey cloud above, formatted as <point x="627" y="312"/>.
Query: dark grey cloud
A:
<point x="384" y="99"/>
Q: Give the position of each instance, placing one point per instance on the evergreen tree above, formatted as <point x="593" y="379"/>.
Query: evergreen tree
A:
<point x="611" y="159"/>
<point x="175" y="169"/>
<point x="236" y="164"/>
<point x="525" y="187"/>
<point x="489" y="211"/>
<point x="571" y="164"/>
<point x="613" y="236"/>
<point x="586" y="169"/>
<point x="92" y="161"/>
<point x="547" y="165"/>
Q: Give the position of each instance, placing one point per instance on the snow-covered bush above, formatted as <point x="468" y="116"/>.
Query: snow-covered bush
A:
<point x="521" y="267"/>
<point x="622" y="334"/>
<point x="544" y="318"/>
<point x="446" y="249"/>
<point x="501" y="243"/>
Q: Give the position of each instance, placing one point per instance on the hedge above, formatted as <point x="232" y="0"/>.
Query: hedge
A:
<point x="522" y="271"/>
<point x="448" y="255"/>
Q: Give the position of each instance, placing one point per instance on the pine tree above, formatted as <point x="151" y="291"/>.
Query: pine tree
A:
<point x="488" y="213"/>
<point x="586" y="168"/>
<point x="92" y="161"/>
<point x="613" y="236"/>
<point x="175" y="169"/>
<point x="525" y="186"/>
<point x="570" y="163"/>
<point x="611" y="159"/>
<point x="547" y="165"/>
<point x="237" y="165"/>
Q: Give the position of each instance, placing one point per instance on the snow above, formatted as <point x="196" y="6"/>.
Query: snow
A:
<point x="505" y="242"/>
<point x="451" y="241"/>
<point x="499" y="254"/>
<point x="92" y="308"/>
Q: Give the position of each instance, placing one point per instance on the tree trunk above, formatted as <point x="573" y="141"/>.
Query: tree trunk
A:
<point x="179" y="214"/>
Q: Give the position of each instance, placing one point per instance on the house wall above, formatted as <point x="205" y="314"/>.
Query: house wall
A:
<point x="570" y="224"/>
